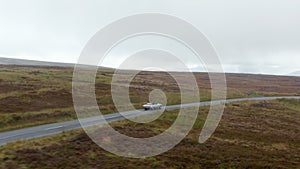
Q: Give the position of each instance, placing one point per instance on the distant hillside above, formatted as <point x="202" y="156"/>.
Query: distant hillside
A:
<point x="24" y="62"/>
<point x="9" y="61"/>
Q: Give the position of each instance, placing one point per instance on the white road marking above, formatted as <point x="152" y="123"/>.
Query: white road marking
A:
<point x="52" y="128"/>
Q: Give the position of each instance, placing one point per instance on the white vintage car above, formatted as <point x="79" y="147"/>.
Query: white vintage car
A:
<point x="152" y="106"/>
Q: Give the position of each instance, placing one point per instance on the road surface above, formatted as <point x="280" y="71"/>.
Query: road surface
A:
<point x="50" y="129"/>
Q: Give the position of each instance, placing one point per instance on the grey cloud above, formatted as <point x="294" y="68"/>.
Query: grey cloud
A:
<point x="250" y="36"/>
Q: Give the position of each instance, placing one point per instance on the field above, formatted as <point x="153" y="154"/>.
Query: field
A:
<point x="250" y="135"/>
<point x="261" y="134"/>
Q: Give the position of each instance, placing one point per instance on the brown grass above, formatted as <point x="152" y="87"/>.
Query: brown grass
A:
<point x="31" y="95"/>
<point x="250" y="135"/>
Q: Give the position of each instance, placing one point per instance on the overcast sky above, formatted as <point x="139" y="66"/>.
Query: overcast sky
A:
<point x="254" y="36"/>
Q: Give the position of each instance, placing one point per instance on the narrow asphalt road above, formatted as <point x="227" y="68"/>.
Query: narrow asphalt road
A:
<point x="50" y="129"/>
